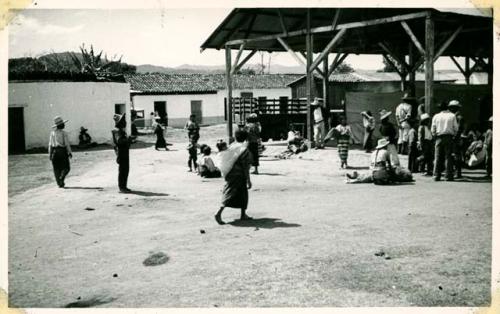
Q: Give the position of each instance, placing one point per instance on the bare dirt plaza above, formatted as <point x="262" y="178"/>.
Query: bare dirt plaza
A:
<point x="314" y="240"/>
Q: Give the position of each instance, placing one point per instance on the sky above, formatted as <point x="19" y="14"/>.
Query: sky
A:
<point x="168" y="37"/>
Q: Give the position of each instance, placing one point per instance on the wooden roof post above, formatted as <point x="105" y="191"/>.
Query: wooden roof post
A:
<point x="429" y="62"/>
<point x="467" y="70"/>
<point x="309" y="56"/>
<point x="411" y="61"/>
<point x="325" y="91"/>
<point x="229" y="86"/>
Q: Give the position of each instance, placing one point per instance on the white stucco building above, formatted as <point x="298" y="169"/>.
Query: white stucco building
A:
<point x="180" y="95"/>
<point x="34" y="104"/>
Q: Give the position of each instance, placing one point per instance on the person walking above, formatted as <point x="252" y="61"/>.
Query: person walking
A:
<point x="369" y="125"/>
<point x="234" y="164"/>
<point x="343" y="141"/>
<point x="121" y="146"/>
<point x="388" y="131"/>
<point x="444" y="127"/>
<point x="160" y="135"/>
<point x="60" y="151"/>
<point x="424" y="144"/>
<point x="458" y="143"/>
<point x="403" y="114"/>
<point x="253" y="128"/>
<point x="319" y="122"/>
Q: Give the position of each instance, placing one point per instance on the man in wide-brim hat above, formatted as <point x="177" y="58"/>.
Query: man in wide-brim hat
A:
<point x="319" y="123"/>
<point x="121" y="145"/>
<point x="60" y="151"/>
<point x="403" y="113"/>
<point x="444" y="128"/>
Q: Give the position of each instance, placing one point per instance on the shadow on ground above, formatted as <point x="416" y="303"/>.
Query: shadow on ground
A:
<point x="91" y="302"/>
<point x="84" y="188"/>
<point x="145" y="193"/>
<point x="266" y="223"/>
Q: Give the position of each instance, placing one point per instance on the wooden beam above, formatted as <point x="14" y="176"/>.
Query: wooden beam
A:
<point x="413" y="38"/>
<point x="458" y="65"/>
<point x="404" y="66"/>
<point x="290" y="51"/>
<point x="467" y="70"/>
<point x="325" y="92"/>
<point x="336" y="18"/>
<point x="429" y="63"/>
<point x="336" y="62"/>
<point x="237" y="59"/>
<point x="250" y="26"/>
<point x="326" y="29"/>
<point x="386" y="57"/>
<point x="282" y="22"/>
<point x="242" y="63"/>
<point x="447" y="43"/>
<point x="229" y="96"/>
<point x="309" y="81"/>
<point x="412" y="76"/>
<point x="335" y="40"/>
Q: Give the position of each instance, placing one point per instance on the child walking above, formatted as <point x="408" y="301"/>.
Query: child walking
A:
<point x="343" y="141"/>
<point x="193" y="155"/>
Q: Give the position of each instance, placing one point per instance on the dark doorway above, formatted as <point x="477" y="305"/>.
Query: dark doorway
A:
<point x="119" y="108"/>
<point x="161" y="111"/>
<point x="196" y="110"/>
<point x="16" y="130"/>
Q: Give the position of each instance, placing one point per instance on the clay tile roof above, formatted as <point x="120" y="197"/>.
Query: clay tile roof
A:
<point x="165" y="83"/>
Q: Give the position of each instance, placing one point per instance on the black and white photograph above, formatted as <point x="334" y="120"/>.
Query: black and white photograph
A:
<point x="196" y="155"/>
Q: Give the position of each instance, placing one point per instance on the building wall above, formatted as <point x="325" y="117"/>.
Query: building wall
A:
<point x="213" y="108"/>
<point x="88" y="104"/>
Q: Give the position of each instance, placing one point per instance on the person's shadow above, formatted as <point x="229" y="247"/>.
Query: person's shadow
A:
<point x="147" y="194"/>
<point x="84" y="188"/>
<point x="265" y="223"/>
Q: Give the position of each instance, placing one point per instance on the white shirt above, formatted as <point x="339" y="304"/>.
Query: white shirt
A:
<point x="318" y="115"/>
<point x="59" y="138"/>
<point x="444" y="123"/>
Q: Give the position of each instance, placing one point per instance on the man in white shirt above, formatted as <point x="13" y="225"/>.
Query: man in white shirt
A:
<point x="444" y="128"/>
<point x="59" y="151"/>
<point x="319" y="123"/>
<point x="403" y="114"/>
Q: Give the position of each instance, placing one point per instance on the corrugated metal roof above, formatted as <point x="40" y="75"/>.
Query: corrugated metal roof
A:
<point x="204" y="83"/>
<point x="374" y="76"/>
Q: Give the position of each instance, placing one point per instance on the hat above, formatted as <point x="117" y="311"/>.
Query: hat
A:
<point x="83" y="129"/>
<point x="118" y="117"/>
<point x="490" y="119"/>
<point x="383" y="142"/>
<point x="58" y="121"/>
<point x="384" y="114"/>
<point x="407" y="96"/>
<point x="454" y="103"/>
<point x="317" y="101"/>
<point x="424" y="116"/>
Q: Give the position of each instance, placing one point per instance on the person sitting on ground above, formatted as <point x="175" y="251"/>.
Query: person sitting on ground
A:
<point x="476" y="153"/>
<point x="382" y="172"/>
<point x="84" y="138"/>
<point x="206" y="166"/>
<point x="296" y="143"/>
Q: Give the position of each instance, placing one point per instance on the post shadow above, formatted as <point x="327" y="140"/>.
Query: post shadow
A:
<point x="264" y="223"/>
<point x="147" y="194"/>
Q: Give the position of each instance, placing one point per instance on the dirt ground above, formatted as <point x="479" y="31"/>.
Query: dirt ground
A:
<point x="314" y="240"/>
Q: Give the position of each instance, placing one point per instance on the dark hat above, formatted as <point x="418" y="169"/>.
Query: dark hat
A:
<point x="83" y="129"/>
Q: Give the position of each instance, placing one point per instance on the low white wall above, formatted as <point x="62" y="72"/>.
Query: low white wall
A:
<point x="88" y="104"/>
<point x="179" y="106"/>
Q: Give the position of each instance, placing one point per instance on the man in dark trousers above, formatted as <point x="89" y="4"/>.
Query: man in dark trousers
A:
<point x="121" y="145"/>
<point x="444" y="128"/>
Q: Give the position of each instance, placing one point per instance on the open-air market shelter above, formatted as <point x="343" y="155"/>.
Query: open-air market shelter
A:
<point x="406" y="37"/>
